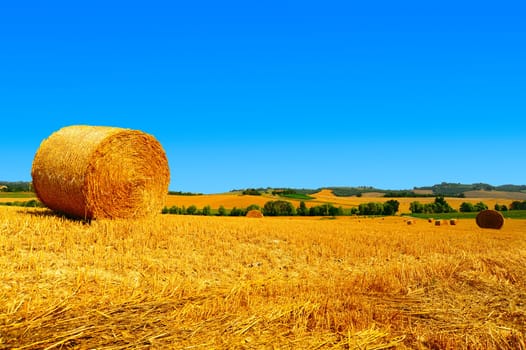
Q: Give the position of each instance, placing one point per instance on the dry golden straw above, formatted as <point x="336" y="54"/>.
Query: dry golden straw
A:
<point x="490" y="219"/>
<point x="101" y="172"/>
<point x="254" y="214"/>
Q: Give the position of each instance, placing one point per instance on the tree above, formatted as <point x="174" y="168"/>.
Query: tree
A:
<point x="480" y="206"/>
<point x="316" y="211"/>
<point x="302" y="209"/>
<point x="391" y="207"/>
<point x="466" y="207"/>
<point x="221" y="211"/>
<point x="518" y="205"/>
<point x="251" y="192"/>
<point x="441" y="206"/>
<point x="237" y="212"/>
<point x="278" y="208"/>
<point x="500" y="207"/>
<point x="191" y="210"/>
<point x="207" y="210"/>
<point x="335" y="211"/>
<point x="416" y="207"/>
<point x="371" y="208"/>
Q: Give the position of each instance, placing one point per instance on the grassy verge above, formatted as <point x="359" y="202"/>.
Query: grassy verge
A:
<point x="17" y="195"/>
<point x="32" y="203"/>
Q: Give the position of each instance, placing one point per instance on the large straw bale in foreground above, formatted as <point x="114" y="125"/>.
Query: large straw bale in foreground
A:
<point x="101" y="172"/>
<point x="490" y="219"/>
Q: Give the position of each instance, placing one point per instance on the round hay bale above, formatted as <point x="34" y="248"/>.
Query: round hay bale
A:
<point x="438" y="222"/>
<point x="254" y="213"/>
<point x="410" y="222"/>
<point x="101" y="172"/>
<point x="490" y="219"/>
<point x="453" y="222"/>
<point x="430" y="220"/>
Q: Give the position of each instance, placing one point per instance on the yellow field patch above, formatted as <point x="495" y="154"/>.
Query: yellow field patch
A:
<point x="230" y="200"/>
<point x="235" y="282"/>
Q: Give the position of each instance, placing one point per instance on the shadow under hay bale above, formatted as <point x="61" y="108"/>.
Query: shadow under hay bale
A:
<point x="254" y="214"/>
<point x="101" y="172"/>
<point x="490" y="219"/>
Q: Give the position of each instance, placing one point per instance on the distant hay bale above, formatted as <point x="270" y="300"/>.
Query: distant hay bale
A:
<point x="430" y="220"/>
<point x="453" y="222"/>
<point x="101" y="172"/>
<point x="254" y="214"/>
<point x="438" y="222"/>
<point x="410" y="222"/>
<point x="490" y="219"/>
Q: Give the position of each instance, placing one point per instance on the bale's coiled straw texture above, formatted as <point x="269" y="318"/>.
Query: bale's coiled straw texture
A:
<point x="490" y="219"/>
<point x="254" y="213"/>
<point x="101" y="172"/>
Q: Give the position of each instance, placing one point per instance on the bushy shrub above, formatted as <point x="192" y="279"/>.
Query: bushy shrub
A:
<point x="391" y="207"/>
<point x="207" y="210"/>
<point x="501" y="207"/>
<point x="221" y="211"/>
<point x="439" y="206"/>
<point x="325" y="210"/>
<point x="253" y="207"/>
<point x="302" y="209"/>
<point x="251" y="192"/>
<point x="480" y="206"/>
<point x="416" y="207"/>
<point x="518" y="205"/>
<point x="191" y="210"/>
<point x="466" y="207"/>
<point x="278" y="208"/>
<point x="238" y="212"/>
<point x="371" y="208"/>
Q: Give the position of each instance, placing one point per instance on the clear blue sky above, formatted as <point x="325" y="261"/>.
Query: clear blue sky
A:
<point x="391" y="94"/>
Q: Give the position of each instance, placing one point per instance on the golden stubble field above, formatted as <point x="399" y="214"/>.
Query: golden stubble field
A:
<point x="193" y="282"/>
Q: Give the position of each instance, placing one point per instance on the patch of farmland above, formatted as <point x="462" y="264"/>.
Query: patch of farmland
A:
<point x="496" y="194"/>
<point x="288" y="283"/>
<point x="231" y="200"/>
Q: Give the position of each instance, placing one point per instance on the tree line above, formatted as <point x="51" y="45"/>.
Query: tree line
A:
<point x="286" y="208"/>
<point x="390" y="207"/>
<point x="440" y="205"/>
<point x="518" y="205"/>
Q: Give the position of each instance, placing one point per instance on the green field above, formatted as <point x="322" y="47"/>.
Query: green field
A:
<point x="298" y="196"/>
<point x="17" y="195"/>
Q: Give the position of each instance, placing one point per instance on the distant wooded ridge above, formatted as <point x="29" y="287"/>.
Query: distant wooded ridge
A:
<point x="17" y="186"/>
<point x="443" y="189"/>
